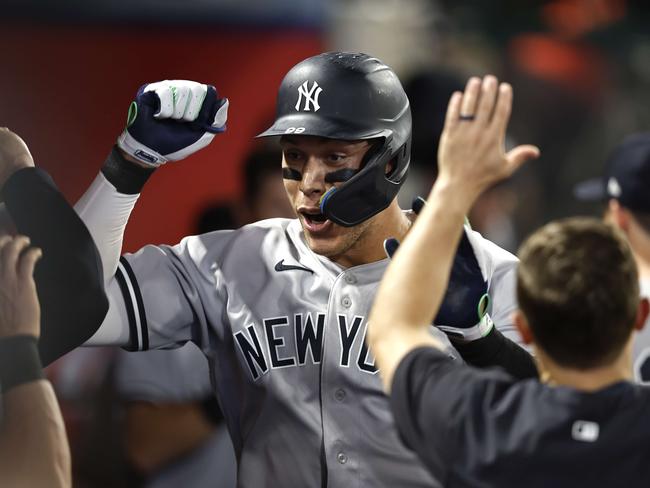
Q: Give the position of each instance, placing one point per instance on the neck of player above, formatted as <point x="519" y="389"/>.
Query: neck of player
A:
<point x="369" y="248"/>
<point x="588" y="380"/>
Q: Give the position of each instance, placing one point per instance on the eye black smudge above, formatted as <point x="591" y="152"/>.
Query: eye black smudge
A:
<point x="340" y="175"/>
<point x="291" y="174"/>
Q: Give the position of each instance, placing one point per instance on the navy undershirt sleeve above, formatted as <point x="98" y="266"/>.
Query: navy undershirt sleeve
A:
<point x="495" y="349"/>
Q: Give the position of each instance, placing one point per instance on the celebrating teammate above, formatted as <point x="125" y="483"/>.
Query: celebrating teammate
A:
<point x="578" y="294"/>
<point x="279" y="307"/>
<point x="624" y="187"/>
<point x="34" y="449"/>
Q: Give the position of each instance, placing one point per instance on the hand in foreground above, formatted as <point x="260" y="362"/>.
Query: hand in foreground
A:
<point x="19" y="308"/>
<point x="463" y="311"/>
<point x="14" y="155"/>
<point x="170" y="120"/>
<point x="471" y="153"/>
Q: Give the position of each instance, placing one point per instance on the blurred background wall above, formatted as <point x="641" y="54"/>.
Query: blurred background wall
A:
<point x="68" y="75"/>
<point x="580" y="71"/>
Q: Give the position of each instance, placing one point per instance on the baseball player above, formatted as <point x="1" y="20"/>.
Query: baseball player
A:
<point x="279" y="306"/>
<point x="34" y="449"/>
<point x="68" y="279"/>
<point x="171" y="437"/>
<point x="579" y="307"/>
<point x="624" y="187"/>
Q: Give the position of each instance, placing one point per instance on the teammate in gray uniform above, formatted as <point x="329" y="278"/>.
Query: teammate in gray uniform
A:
<point x="179" y="377"/>
<point x="279" y="306"/>
<point x="625" y="187"/>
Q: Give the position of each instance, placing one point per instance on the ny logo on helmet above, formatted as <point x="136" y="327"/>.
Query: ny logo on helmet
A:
<point x="311" y="96"/>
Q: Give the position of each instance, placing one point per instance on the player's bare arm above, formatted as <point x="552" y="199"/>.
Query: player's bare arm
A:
<point x="471" y="158"/>
<point x="33" y="444"/>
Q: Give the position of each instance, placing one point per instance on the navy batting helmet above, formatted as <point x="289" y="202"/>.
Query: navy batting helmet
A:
<point x="350" y="96"/>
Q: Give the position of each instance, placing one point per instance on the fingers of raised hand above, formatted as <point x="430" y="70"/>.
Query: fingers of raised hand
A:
<point x="487" y="99"/>
<point x="197" y="93"/>
<point x="476" y="104"/>
<point x="28" y="260"/>
<point x="179" y="99"/>
<point x="502" y="109"/>
<point x="519" y="155"/>
<point x="470" y="97"/>
<point x="453" y="111"/>
<point x="10" y="250"/>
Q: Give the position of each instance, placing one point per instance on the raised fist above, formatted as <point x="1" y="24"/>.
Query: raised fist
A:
<point x="172" y="119"/>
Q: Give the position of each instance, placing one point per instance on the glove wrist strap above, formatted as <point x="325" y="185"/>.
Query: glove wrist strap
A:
<point x="128" y="178"/>
<point x="463" y="335"/>
<point x="139" y="151"/>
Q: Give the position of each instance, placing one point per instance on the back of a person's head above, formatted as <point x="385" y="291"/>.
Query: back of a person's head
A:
<point x="577" y="286"/>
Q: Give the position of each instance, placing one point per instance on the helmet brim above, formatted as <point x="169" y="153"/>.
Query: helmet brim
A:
<point x="315" y="125"/>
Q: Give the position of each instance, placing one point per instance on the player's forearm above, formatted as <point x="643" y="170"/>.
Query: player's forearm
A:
<point x="414" y="284"/>
<point x="34" y="448"/>
<point x="106" y="206"/>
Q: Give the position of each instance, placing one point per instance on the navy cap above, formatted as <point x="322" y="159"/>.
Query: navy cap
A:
<point x="626" y="178"/>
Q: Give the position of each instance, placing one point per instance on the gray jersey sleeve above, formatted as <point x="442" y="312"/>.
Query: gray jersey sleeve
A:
<point x="166" y="290"/>
<point x="175" y="376"/>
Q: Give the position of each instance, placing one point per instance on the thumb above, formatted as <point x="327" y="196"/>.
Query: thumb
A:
<point x="520" y="154"/>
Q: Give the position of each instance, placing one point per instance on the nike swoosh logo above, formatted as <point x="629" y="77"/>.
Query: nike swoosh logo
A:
<point x="280" y="266"/>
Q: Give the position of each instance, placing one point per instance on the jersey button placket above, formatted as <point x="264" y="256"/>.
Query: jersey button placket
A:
<point x="346" y="301"/>
<point x="350" y="279"/>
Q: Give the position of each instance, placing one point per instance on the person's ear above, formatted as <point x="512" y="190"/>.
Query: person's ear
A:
<point x="642" y="314"/>
<point x="618" y="215"/>
<point x="521" y="323"/>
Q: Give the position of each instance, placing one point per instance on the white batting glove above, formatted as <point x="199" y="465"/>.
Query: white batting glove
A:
<point x="172" y="119"/>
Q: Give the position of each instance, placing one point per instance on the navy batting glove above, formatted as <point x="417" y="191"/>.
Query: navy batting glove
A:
<point x="169" y="120"/>
<point x="463" y="313"/>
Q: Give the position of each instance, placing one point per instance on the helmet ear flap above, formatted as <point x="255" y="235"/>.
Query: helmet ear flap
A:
<point x="366" y="194"/>
<point x="323" y="200"/>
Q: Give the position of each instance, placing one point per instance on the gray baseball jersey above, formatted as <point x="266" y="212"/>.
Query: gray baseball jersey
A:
<point x="641" y="345"/>
<point x="180" y="375"/>
<point x="284" y="333"/>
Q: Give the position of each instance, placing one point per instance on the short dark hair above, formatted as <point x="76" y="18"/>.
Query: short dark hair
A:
<point x="577" y="285"/>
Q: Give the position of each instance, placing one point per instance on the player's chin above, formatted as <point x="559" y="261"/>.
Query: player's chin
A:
<point x="324" y="243"/>
<point x="324" y="247"/>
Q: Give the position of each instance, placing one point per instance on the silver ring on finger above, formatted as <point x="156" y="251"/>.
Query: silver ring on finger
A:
<point x="467" y="118"/>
